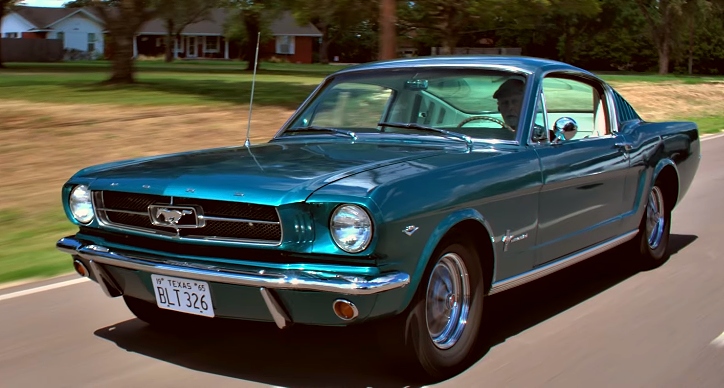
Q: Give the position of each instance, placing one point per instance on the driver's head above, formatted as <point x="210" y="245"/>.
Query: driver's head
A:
<point x="510" y="97"/>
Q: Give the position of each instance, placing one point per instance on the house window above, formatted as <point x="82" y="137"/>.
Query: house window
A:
<point x="285" y="44"/>
<point x="212" y="44"/>
<point x="60" y="35"/>
<point x="12" y="35"/>
<point x="91" y="42"/>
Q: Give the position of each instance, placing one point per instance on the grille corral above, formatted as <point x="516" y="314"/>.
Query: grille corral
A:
<point x="223" y="220"/>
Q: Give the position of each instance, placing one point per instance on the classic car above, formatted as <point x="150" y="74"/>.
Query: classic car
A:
<point x="402" y="192"/>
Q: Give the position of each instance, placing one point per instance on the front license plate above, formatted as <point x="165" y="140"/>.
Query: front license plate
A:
<point x="184" y="295"/>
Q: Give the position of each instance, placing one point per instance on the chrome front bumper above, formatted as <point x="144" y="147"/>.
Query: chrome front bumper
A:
<point x="290" y="280"/>
<point x="267" y="280"/>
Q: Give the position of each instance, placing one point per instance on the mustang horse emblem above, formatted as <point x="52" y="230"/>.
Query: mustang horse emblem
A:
<point x="171" y="217"/>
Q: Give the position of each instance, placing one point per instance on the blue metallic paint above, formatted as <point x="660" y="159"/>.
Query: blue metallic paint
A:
<point x="425" y="181"/>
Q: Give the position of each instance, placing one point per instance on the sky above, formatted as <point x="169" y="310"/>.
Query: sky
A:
<point x="44" y="3"/>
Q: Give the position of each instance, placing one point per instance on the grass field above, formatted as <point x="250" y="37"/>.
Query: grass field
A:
<point x="57" y="118"/>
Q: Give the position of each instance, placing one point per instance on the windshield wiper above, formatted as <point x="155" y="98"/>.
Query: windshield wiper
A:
<point x="323" y="129"/>
<point x="456" y="135"/>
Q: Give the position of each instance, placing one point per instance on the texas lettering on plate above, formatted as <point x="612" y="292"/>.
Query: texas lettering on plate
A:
<point x="184" y="295"/>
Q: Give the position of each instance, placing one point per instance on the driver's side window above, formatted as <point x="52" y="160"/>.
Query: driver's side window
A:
<point x="571" y="98"/>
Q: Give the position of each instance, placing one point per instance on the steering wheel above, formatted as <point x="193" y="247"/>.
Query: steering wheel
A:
<point x="488" y="118"/>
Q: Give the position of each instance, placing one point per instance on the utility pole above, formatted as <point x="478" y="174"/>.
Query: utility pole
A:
<point x="388" y="34"/>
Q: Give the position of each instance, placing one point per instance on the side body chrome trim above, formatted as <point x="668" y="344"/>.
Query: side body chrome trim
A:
<point x="291" y="280"/>
<point x="560" y="264"/>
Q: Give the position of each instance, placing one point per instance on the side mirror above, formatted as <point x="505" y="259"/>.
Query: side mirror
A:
<point x="565" y="128"/>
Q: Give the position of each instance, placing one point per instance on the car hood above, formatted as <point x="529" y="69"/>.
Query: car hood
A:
<point x="270" y="173"/>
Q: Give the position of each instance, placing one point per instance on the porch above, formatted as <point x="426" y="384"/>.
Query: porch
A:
<point x="188" y="46"/>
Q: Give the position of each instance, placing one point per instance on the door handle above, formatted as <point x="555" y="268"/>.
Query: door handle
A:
<point x="626" y="146"/>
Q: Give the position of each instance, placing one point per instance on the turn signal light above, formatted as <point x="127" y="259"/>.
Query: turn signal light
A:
<point x="80" y="268"/>
<point x="345" y="309"/>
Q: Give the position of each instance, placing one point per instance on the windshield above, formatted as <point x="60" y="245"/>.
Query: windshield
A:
<point x="480" y="104"/>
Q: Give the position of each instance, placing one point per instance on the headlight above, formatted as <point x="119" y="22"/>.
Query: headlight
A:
<point x="81" y="205"/>
<point x="351" y="228"/>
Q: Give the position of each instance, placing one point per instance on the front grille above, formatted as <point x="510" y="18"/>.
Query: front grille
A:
<point x="223" y="220"/>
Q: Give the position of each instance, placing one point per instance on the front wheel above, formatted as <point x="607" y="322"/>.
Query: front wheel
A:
<point x="441" y="326"/>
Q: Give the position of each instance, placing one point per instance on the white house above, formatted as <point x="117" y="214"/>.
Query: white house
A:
<point x="79" y="28"/>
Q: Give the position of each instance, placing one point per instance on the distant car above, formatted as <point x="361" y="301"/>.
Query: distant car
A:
<point x="402" y="192"/>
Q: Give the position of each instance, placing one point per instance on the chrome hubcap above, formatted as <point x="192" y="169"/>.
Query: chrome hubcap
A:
<point x="655" y="218"/>
<point x="448" y="301"/>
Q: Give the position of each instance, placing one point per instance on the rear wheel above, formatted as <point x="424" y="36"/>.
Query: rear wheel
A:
<point x="652" y="242"/>
<point x="438" y="332"/>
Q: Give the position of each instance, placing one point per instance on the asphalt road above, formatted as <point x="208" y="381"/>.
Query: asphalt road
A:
<point x="598" y="324"/>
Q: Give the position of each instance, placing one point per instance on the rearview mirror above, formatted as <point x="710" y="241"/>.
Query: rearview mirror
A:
<point x="416" y="84"/>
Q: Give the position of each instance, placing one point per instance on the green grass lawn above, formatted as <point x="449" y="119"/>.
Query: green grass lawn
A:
<point x="656" y="78"/>
<point x="162" y="84"/>
<point x="27" y="244"/>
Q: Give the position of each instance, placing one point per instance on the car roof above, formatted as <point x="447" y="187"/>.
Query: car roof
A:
<point x="517" y="63"/>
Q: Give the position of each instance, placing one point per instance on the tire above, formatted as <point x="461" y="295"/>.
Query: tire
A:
<point x="151" y="314"/>
<point x="439" y="347"/>
<point x="652" y="242"/>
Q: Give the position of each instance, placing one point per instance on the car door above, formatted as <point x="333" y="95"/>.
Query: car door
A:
<point x="581" y="200"/>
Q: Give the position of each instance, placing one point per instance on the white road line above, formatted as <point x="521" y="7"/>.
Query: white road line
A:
<point x="41" y="289"/>
<point x="712" y="137"/>
<point x="718" y="341"/>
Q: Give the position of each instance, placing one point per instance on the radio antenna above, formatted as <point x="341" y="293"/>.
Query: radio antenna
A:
<point x="253" y="81"/>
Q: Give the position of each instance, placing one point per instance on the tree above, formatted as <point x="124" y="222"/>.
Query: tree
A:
<point x="177" y="14"/>
<point x="5" y="8"/>
<point x="122" y="19"/>
<point x="573" y="17"/>
<point x="447" y="21"/>
<point x="248" y="19"/>
<point x="662" y="17"/>
<point x="333" y="18"/>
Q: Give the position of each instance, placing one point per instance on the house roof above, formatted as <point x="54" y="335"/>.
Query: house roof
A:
<point x="214" y="25"/>
<point x="287" y="25"/>
<point x="44" y="17"/>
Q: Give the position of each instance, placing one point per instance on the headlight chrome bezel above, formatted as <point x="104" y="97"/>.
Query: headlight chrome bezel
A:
<point x="365" y="220"/>
<point x="74" y="201"/>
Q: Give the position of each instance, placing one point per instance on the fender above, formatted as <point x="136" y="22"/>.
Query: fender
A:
<point x="436" y="237"/>
<point x="646" y="184"/>
<point x="660" y="167"/>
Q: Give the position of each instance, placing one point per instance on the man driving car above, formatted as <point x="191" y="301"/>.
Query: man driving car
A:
<point x="510" y="97"/>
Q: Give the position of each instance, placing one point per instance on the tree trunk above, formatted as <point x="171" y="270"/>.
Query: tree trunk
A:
<point x="324" y="46"/>
<point x="691" y="45"/>
<point x="2" y="15"/>
<point x="122" y="66"/>
<point x="324" y="51"/>
<point x="1" y="52"/>
<point x="169" y="41"/>
<point x="568" y="42"/>
<point x="253" y="26"/>
<point x="387" y="36"/>
<point x="664" y="60"/>
<point x="451" y="43"/>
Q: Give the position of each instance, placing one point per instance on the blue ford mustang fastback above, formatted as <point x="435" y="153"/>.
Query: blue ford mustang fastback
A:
<point x="403" y="192"/>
